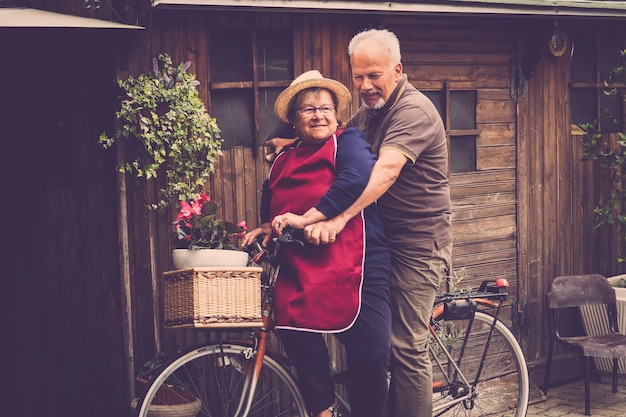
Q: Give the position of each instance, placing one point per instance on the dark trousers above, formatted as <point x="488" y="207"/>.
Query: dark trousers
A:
<point x="367" y="345"/>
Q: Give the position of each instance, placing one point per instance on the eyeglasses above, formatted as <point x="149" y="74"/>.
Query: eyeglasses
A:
<point x="310" y="111"/>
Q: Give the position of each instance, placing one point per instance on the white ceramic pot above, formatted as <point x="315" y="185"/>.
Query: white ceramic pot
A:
<point x="197" y="258"/>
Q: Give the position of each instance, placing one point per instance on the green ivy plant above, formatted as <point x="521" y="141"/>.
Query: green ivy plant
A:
<point x="596" y="148"/>
<point x="163" y="114"/>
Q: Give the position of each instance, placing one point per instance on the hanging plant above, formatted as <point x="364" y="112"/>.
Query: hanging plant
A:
<point x="163" y="114"/>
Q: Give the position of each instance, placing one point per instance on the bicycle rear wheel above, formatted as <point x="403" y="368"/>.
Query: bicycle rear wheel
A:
<point x="502" y="389"/>
<point x="215" y="375"/>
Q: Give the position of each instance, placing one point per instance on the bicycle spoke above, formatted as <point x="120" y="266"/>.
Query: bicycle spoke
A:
<point x="502" y="386"/>
<point x="216" y="376"/>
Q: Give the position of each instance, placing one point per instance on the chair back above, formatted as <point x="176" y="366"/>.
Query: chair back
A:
<point x="591" y="293"/>
<point x="579" y="290"/>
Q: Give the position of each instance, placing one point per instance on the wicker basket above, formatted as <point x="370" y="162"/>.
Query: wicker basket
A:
<point x="212" y="297"/>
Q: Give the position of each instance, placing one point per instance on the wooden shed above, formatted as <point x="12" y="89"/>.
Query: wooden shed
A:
<point x="510" y="78"/>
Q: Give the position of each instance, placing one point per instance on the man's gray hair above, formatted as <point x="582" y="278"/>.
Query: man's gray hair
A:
<point x="383" y="37"/>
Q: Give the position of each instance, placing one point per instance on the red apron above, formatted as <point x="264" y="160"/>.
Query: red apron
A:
<point x="319" y="287"/>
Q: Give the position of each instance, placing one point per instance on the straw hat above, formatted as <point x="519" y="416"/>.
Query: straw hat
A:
<point x="306" y="80"/>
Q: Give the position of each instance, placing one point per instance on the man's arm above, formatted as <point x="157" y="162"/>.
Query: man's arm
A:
<point x="384" y="174"/>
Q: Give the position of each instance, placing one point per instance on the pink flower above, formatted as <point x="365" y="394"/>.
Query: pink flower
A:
<point x="203" y="199"/>
<point x="198" y="227"/>
<point x="196" y="208"/>
<point x="244" y="226"/>
<point x="185" y="211"/>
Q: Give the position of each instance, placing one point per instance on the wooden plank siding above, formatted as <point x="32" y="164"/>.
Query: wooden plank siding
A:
<point x="472" y="56"/>
<point x="556" y="196"/>
<point x="525" y="213"/>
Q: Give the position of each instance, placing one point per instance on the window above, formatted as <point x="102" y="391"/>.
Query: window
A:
<point x="458" y="111"/>
<point x="248" y="71"/>
<point x="593" y="59"/>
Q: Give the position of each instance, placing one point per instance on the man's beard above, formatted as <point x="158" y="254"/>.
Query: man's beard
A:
<point x="379" y="104"/>
<point x="376" y="106"/>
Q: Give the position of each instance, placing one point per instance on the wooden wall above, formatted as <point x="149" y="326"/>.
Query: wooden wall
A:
<point x="525" y="213"/>
<point x="472" y="56"/>
<point x="557" y="193"/>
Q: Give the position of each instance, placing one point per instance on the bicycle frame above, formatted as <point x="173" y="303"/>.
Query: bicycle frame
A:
<point x="262" y="335"/>
<point x="462" y="375"/>
<point x="467" y="303"/>
<point x="462" y="304"/>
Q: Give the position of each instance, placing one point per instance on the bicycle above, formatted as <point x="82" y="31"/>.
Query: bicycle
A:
<point x="477" y="362"/>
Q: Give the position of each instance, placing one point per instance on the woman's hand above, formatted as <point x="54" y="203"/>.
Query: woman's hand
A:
<point x="287" y="219"/>
<point x="264" y="231"/>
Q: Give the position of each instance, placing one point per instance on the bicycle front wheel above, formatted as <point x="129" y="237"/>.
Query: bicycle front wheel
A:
<point x="502" y="386"/>
<point x="215" y="376"/>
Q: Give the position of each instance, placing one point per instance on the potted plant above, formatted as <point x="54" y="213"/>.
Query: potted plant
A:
<point x="172" y="398"/>
<point x="163" y="115"/>
<point x="199" y="232"/>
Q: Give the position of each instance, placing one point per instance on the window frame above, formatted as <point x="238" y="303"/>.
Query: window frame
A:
<point x="452" y="133"/>
<point x="598" y="85"/>
<point x="255" y="84"/>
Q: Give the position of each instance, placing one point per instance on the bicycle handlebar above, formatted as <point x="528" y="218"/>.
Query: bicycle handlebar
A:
<point x="290" y="236"/>
<point x="488" y="288"/>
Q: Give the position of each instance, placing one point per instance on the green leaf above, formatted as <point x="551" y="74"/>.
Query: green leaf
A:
<point x="183" y="140"/>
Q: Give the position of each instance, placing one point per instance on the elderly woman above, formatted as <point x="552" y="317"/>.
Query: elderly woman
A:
<point x="340" y="288"/>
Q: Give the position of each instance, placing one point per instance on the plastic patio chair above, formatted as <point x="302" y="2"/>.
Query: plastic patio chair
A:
<point x="575" y="291"/>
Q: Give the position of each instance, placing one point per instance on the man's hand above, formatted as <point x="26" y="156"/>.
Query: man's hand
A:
<point x="324" y="232"/>
<point x="274" y="146"/>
